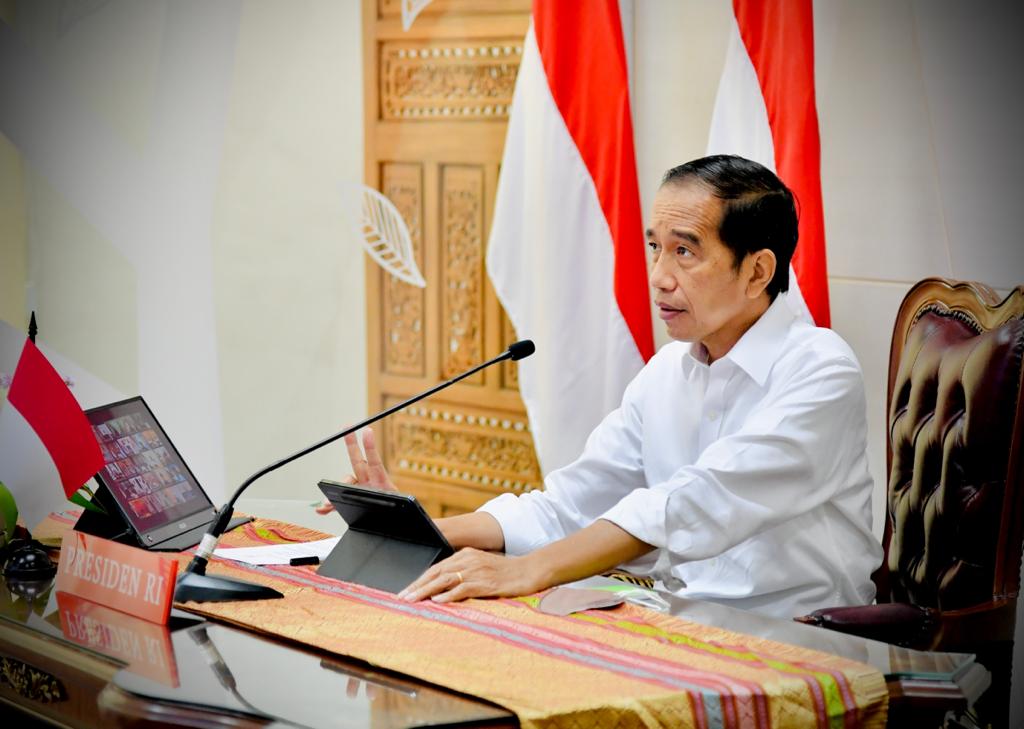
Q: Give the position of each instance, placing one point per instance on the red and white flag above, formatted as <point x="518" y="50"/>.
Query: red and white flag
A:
<point x="47" y="447"/>
<point x="566" y="251"/>
<point x="766" y="111"/>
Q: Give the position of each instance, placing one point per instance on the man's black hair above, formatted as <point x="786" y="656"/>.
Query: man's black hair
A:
<point x="758" y="211"/>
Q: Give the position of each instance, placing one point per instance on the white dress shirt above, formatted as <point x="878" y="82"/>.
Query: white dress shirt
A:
<point x="748" y="476"/>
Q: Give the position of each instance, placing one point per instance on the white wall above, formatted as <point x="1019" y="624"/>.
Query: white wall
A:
<point x="170" y="173"/>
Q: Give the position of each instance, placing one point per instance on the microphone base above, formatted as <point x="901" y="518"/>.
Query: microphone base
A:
<point x="204" y="588"/>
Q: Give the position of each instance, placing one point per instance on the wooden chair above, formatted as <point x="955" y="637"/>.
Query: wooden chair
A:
<point x="955" y="513"/>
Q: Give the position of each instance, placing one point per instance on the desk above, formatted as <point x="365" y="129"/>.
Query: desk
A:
<point x="211" y="675"/>
<point x="922" y="685"/>
<point x="240" y="679"/>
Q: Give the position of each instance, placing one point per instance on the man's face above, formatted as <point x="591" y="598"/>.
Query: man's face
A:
<point x="700" y="294"/>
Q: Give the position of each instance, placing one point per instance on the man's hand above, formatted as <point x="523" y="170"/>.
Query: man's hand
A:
<point x="473" y="573"/>
<point x="466" y="530"/>
<point x="367" y="468"/>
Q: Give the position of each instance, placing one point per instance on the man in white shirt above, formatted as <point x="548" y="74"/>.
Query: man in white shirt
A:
<point x="735" y="469"/>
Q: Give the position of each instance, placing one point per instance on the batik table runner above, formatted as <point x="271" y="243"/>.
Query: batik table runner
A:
<point x="623" y="667"/>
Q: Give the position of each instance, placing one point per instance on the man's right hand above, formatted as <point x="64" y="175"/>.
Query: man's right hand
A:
<point x="367" y="467"/>
<point x="479" y="530"/>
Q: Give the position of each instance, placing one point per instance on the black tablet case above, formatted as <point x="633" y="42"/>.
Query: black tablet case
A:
<point x="390" y="540"/>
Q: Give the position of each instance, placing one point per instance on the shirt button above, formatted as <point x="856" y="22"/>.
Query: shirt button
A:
<point x="713" y="415"/>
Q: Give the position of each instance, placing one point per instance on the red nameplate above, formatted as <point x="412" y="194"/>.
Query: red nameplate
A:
<point x="144" y="646"/>
<point x="128" y="579"/>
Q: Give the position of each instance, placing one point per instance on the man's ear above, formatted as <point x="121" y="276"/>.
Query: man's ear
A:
<point x="761" y="270"/>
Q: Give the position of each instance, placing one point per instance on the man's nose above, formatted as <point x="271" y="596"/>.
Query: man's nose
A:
<point x="660" y="278"/>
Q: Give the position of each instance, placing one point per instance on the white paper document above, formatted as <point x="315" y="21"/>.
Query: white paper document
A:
<point x="278" y="553"/>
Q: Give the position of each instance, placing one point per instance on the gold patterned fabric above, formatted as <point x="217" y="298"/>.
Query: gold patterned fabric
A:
<point x="617" y="668"/>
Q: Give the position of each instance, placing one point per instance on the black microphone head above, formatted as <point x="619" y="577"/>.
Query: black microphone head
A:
<point x="522" y="348"/>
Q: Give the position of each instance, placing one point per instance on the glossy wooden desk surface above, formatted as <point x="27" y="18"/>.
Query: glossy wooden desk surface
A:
<point x="102" y="671"/>
<point x="923" y="685"/>
<point x="116" y="671"/>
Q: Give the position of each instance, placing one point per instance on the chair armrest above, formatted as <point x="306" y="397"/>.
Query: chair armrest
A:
<point x="890" y="622"/>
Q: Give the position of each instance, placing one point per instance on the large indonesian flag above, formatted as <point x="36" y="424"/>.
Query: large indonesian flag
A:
<point x="566" y="252"/>
<point x="47" y="448"/>
<point x="765" y="111"/>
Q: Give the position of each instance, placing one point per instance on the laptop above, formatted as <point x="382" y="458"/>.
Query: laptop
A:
<point x="151" y="496"/>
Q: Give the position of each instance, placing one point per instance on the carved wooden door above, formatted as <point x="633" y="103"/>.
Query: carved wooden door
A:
<point x="437" y="99"/>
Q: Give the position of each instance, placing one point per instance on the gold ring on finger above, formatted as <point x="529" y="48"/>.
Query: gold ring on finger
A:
<point x="458" y="575"/>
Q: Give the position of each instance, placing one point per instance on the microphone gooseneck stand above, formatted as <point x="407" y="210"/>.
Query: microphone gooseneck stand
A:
<point x="194" y="584"/>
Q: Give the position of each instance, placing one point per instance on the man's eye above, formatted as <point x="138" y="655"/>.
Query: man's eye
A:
<point x="652" y="246"/>
<point x="683" y="251"/>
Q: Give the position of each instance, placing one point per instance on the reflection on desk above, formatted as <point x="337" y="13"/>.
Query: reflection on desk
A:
<point x="143" y="646"/>
<point x="97" y="667"/>
<point x="921" y="684"/>
<point x="230" y="671"/>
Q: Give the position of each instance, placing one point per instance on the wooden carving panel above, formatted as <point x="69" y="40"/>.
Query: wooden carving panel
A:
<point x="464" y="447"/>
<point x="402" y="304"/>
<point x="462" y="246"/>
<point x="436" y="99"/>
<point x="453" y="80"/>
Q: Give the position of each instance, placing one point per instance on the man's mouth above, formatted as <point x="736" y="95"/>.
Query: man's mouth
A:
<point x="667" y="312"/>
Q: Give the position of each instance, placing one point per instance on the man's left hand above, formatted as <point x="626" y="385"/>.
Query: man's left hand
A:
<point x="473" y="573"/>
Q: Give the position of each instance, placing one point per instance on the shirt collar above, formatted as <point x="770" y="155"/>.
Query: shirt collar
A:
<point x="756" y="351"/>
<point x="694" y="357"/>
<point x="758" y="348"/>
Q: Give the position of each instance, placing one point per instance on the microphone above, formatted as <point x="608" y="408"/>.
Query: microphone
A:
<point x="194" y="584"/>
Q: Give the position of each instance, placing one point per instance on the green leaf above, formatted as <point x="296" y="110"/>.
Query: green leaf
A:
<point x="8" y="514"/>
<point x="79" y="498"/>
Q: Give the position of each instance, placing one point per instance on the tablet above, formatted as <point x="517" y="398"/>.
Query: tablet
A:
<point x="155" y="491"/>
<point x="390" y="540"/>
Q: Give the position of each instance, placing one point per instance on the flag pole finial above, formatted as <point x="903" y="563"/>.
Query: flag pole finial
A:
<point x="32" y="328"/>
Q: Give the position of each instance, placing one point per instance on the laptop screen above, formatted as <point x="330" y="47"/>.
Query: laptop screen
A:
<point x="143" y="471"/>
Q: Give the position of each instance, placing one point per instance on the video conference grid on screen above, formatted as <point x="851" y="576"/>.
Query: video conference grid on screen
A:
<point x="143" y="473"/>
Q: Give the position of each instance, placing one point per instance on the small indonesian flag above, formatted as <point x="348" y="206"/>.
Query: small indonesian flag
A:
<point x="47" y="448"/>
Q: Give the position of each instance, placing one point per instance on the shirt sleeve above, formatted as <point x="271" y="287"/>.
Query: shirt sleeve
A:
<point x="788" y="458"/>
<point x="575" y="496"/>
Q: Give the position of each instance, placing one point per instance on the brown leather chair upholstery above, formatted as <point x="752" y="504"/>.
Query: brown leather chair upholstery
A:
<point x="955" y="517"/>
